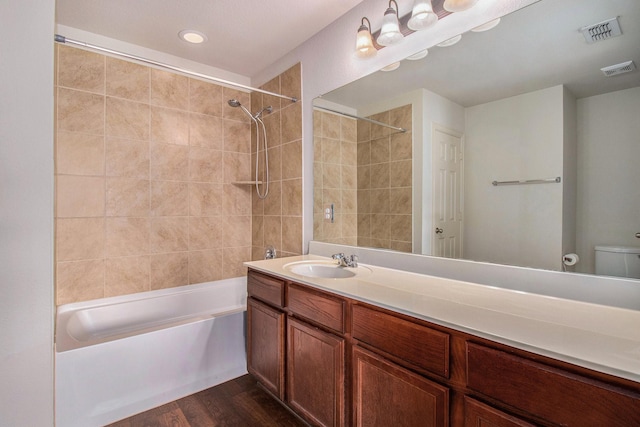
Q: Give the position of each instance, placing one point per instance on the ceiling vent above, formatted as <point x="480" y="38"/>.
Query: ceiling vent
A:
<point x="614" y="70"/>
<point x="601" y="31"/>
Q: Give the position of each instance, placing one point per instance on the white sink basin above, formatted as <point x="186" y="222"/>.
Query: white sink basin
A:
<point x="323" y="269"/>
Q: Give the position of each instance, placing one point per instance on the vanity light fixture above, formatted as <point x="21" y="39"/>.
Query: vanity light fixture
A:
<point x="192" y="36"/>
<point x="364" y="41"/>
<point x="390" y="33"/>
<point x="458" y="5"/>
<point x="422" y="15"/>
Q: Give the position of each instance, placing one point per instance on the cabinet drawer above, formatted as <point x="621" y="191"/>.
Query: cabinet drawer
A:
<point x="478" y="414"/>
<point x="265" y="288"/>
<point x="317" y="307"/>
<point x="549" y="393"/>
<point x="419" y="345"/>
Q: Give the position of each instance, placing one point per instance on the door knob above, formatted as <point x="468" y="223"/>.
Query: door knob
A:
<point x="439" y="230"/>
<point x="637" y="235"/>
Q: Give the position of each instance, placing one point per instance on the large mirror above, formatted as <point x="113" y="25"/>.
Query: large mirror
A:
<point x="511" y="146"/>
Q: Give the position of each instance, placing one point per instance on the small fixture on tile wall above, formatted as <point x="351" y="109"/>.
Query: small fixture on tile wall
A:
<point x="329" y="212"/>
<point x="269" y="252"/>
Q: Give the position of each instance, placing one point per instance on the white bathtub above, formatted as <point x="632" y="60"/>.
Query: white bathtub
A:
<point x="116" y="357"/>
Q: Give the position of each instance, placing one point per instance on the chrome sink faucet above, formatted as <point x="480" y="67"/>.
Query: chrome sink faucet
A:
<point x="346" y="261"/>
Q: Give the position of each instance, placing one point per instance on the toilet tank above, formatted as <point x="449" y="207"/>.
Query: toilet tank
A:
<point x="621" y="261"/>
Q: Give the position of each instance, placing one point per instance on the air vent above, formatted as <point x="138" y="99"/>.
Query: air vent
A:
<point x="601" y="31"/>
<point x="614" y="70"/>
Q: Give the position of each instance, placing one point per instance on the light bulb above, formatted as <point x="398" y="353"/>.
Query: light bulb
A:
<point x="364" y="42"/>
<point x="458" y="5"/>
<point x="390" y="31"/>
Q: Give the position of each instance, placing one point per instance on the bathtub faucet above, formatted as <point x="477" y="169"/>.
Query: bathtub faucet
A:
<point x="346" y="261"/>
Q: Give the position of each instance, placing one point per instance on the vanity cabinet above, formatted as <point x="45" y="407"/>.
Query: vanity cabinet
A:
<point x="316" y="355"/>
<point x="296" y="347"/>
<point x="385" y="394"/>
<point x="337" y="361"/>
<point x="548" y="393"/>
<point x="315" y="376"/>
<point x="266" y="332"/>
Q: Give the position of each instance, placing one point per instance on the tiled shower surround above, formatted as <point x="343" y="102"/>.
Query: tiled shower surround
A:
<point x="370" y="186"/>
<point x="335" y="178"/>
<point x="277" y="219"/>
<point x="146" y="162"/>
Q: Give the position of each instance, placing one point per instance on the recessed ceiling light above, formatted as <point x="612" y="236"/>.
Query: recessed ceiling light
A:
<point x="486" y="27"/>
<point x="192" y="36"/>
<point x="418" y="55"/>
<point x="391" y="67"/>
<point x="451" y="41"/>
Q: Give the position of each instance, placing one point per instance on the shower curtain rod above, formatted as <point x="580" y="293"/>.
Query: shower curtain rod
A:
<point x="61" y="39"/>
<point x="403" y="130"/>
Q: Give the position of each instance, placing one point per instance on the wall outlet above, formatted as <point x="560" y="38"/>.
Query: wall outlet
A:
<point x="328" y="212"/>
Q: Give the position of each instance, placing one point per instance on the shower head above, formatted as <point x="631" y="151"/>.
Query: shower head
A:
<point x="235" y="103"/>
<point x="268" y="109"/>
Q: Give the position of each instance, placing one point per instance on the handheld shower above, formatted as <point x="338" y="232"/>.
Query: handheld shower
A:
<point x="259" y="123"/>
<point x="235" y="104"/>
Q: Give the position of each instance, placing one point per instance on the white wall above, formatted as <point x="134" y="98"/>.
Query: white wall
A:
<point x="26" y="213"/>
<point x="517" y="138"/>
<point x="609" y="173"/>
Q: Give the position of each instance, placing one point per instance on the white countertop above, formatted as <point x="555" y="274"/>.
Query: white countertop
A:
<point x="598" y="337"/>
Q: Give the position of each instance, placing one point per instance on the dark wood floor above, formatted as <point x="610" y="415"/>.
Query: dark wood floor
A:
<point x="237" y="403"/>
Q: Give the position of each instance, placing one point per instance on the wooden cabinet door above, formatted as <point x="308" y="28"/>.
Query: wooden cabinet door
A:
<point x="477" y="414"/>
<point x="265" y="346"/>
<point x="385" y="394"/>
<point x="315" y="374"/>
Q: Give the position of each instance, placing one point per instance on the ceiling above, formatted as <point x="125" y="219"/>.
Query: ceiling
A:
<point x="537" y="47"/>
<point x="244" y="36"/>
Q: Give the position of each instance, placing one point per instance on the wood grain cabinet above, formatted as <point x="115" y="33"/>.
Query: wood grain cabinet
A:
<point x="385" y="394"/>
<point x="316" y="355"/>
<point x="336" y="361"/>
<point x="315" y="376"/>
<point x="547" y="393"/>
<point x="265" y="331"/>
<point x="477" y="414"/>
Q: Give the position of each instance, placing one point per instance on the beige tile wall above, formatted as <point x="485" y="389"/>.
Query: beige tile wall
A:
<point x="277" y="219"/>
<point x="335" y="178"/>
<point x="384" y="181"/>
<point x="145" y="165"/>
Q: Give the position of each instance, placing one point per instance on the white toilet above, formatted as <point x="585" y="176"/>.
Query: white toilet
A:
<point x="621" y="261"/>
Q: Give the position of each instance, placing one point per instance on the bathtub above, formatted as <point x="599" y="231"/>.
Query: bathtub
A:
<point x="116" y="357"/>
